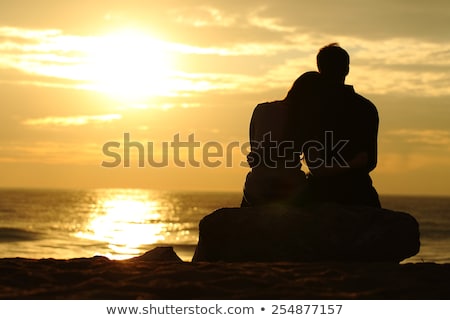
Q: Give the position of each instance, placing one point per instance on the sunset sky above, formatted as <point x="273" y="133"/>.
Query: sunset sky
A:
<point x="78" y="74"/>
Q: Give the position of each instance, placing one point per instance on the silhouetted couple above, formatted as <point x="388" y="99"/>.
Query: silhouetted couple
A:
<point x="323" y="125"/>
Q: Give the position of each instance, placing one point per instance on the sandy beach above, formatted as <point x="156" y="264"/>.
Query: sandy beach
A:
<point x="153" y="276"/>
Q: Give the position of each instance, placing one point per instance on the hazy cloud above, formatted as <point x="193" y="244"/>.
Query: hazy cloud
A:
<point x="397" y="163"/>
<point x="398" y="65"/>
<point x="203" y="16"/>
<point x="50" y="152"/>
<point x="71" y="121"/>
<point x="430" y="137"/>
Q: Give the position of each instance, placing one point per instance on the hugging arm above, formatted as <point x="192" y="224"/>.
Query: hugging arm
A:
<point x="359" y="162"/>
<point x="252" y="157"/>
<point x="372" y="143"/>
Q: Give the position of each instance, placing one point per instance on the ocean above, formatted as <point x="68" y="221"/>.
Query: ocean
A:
<point x="123" y="223"/>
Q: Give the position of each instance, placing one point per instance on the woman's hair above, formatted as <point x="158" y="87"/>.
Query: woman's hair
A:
<point x="305" y="86"/>
<point x="302" y="103"/>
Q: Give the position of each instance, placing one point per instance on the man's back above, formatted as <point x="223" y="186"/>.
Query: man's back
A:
<point x="351" y="119"/>
<point x="351" y="122"/>
<point x="346" y="126"/>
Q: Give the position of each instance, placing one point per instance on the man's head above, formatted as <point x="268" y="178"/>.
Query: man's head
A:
<point x="333" y="63"/>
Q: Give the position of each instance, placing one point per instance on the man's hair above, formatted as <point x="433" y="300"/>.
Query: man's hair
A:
<point x="333" y="61"/>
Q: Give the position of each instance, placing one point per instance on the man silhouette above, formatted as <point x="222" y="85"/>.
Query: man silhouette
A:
<point x="346" y="127"/>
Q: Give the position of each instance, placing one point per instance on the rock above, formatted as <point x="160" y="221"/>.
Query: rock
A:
<point x="326" y="232"/>
<point x="159" y="254"/>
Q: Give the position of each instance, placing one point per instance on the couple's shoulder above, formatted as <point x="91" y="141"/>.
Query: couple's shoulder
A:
<point x="367" y="107"/>
<point x="361" y="100"/>
<point x="269" y="105"/>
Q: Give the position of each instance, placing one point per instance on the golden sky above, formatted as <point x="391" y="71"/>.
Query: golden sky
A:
<point x="78" y="74"/>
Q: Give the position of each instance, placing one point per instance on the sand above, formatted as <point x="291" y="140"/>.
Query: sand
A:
<point x="147" y="277"/>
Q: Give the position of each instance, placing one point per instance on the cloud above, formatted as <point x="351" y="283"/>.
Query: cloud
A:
<point x="71" y="121"/>
<point x="51" y="152"/>
<point x="407" y="150"/>
<point x="396" y="163"/>
<point x="429" y="137"/>
<point x="46" y="53"/>
<point x="203" y="16"/>
<point x="364" y="19"/>
<point x="400" y="65"/>
<point x="260" y="19"/>
<point x="378" y="66"/>
<point x="238" y="49"/>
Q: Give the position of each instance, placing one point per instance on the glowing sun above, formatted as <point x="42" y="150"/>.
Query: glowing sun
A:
<point x="129" y="65"/>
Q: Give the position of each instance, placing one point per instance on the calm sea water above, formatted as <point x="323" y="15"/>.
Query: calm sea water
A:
<point x="122" y="223"/>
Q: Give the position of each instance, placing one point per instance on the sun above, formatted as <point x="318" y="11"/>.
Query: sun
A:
<point x="129" y="65"/>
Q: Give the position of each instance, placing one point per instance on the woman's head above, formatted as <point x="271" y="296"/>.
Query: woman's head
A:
<point x="306" y="86"/>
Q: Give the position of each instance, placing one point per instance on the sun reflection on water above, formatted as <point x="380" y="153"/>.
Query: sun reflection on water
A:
<point x="124" y="222"/>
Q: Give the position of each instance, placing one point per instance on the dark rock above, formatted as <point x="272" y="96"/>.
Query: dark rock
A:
<point x="159" y="254"/>
<point x="327" y="232"/>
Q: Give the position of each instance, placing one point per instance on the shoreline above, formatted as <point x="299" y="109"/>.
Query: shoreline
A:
<point x="154" y="276"/>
